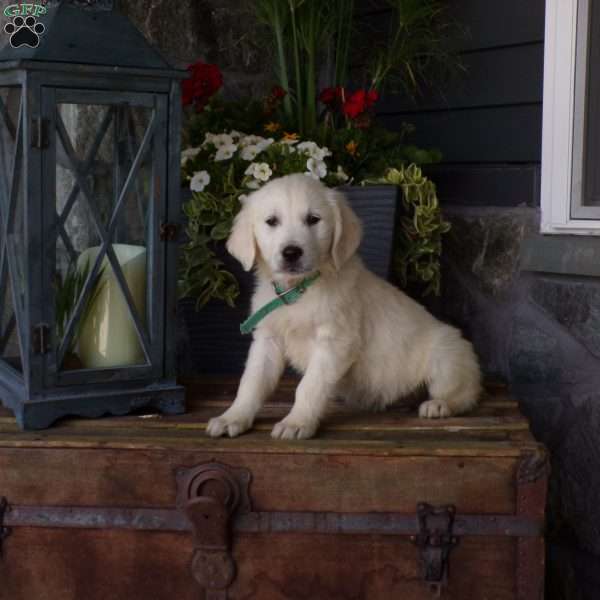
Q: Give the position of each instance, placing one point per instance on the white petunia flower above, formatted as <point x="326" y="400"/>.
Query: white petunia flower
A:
<point x="189" y="153"/>
<point x="316" y="168"/>
<point x="308" y="148"/>
<point x="262" y="172"/>
<point x="250" y="169"/>
<point x="250" y="152"/>
<point x="253" y="184"/>
<point x="311" y="149"/>
<point x="250" y="140"/>
<point x="341" y="174"/>
<point x="199" y="181"/>
<point x="208" y="139"/>
<point x="222" y="139"/>
<point x="321" y="153"/>
<point x="236" y="135"/>
<point x="264" y="144"/>
<point x="225" y="152"/>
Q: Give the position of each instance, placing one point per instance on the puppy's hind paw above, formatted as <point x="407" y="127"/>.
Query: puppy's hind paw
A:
<point x="225" y="425"/>
<point x="292" y="430"/>
<point x="434" y="409"/>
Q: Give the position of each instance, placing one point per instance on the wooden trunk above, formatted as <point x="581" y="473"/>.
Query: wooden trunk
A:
<point x="148" y="507"/>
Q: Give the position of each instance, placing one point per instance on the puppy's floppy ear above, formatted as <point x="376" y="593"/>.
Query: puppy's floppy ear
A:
<point x="347" y="231"/>
<point x="241" y="243"/>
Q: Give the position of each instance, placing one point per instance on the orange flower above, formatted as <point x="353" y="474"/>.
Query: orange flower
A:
<point x="290" y="136"/>
<point x="272" y="127"/>
<point x="351" y="148"/>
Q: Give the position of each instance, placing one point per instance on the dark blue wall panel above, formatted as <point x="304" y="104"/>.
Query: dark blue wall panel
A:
<point x="487" y="121"/>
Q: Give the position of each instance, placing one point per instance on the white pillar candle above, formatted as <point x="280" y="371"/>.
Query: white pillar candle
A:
<point x="107" y="336"/>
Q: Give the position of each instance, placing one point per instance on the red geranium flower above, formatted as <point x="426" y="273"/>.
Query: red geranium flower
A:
<point x="278" y="92"/>
<point x="372" y="97"/>
<point x="355" y="104"/>
<point x="274" y="99"/>
<point x="204" y="82"/>
<point x="358" y="102"/>
<point x="329" y="96"/>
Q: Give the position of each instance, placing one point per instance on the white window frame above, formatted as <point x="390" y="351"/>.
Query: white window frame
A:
<point x="563" y="120"/>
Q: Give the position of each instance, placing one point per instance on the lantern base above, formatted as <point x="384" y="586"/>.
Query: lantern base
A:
<point x="165" y="397"/>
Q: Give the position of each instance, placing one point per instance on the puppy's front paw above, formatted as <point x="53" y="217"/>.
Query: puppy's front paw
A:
<point x="290" y="429"/>
<point x="227" y="425"/>
<point x="434" y="409"/>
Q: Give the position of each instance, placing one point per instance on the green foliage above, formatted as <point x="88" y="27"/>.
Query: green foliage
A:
<point x="220" y="115"/>
<point x="419" y="247"/>
<point x="377" y="149"/>
<point x="301" y="32"/>
<point x="416" y="49"/>
<point x="202" y="274"/>
<point x="307" y="34"/>
<point x="216" y="200"/>
<point x="313" y="42"/>
<point x="67" y="291"/>
<point x="225" y="167"/>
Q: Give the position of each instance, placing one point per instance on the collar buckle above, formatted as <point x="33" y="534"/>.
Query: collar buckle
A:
<point x="282" y="294"/>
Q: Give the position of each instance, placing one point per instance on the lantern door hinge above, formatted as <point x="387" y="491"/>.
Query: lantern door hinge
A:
<point x="435" y="540"/>
<point x="39" y="133"/>
<point x="40" y="339"/>
<point x="4" y="531"/>
<point x="168" y="232"/>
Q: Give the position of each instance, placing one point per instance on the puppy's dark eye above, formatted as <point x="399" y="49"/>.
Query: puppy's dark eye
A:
<point x="272" y="221"/>
<point x="312" y="220"/>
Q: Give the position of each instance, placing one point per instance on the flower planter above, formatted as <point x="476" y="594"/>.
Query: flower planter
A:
<point x="210" y="342"/>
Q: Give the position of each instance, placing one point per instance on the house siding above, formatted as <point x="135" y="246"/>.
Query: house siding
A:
<point x="488" y="121"/>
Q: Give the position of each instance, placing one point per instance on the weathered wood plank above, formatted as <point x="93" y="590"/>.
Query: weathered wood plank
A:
<point x="289" y="482"/>
<point x="302" y="567"/>
<point x="44" y="564"/>
<point x="96" y="565"/>
<point x="351" y="422"/>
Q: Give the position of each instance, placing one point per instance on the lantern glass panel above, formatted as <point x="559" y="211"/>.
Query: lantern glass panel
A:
<point x="10" y="345"/>
<point x="12" y="233"/>
<point x="104" y="186"/>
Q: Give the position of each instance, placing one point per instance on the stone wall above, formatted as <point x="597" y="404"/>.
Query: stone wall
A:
<point x="541" y="333"/>
<point x="224" y="32"/>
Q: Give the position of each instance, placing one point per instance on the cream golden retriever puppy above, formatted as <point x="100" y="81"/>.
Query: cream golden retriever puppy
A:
<point x="352" y="334"/>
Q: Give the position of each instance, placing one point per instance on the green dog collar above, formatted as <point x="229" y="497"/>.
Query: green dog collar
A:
<point x="283" y="297"/>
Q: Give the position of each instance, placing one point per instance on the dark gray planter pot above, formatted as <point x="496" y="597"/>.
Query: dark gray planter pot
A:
<point x="210" y="342"/>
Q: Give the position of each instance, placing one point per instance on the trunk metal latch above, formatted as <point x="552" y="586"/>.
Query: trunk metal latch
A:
<point x="435" y="540"/>
<point x="211" y="495"/>
<point x="4" y="531"/>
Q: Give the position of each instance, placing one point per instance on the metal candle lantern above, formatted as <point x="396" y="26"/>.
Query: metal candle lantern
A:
<point x="89" y="203"/>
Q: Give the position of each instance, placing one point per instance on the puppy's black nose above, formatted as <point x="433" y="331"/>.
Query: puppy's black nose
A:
<point x="292" y="253"/>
